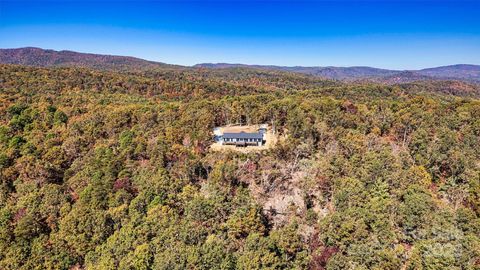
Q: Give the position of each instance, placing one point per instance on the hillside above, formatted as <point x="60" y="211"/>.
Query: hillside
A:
<point x="49" y="58"/>
<point x="464" y="72"/>
<point x="112" y="170"/>
<point x="468" y="73"/>
<point x="336" y="73"/>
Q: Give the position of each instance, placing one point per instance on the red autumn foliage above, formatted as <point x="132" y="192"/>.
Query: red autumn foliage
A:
<point x="19" y="214"/>
<point x="320" y="259"/>
<point x="125" y="184"/>
<point x="73" y="195"/>
<point x="349" y="107"/>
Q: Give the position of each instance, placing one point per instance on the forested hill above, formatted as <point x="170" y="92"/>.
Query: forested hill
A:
<point x="49" y="58"/>
<point x="465" y="72"/>
<point x="469" y="73"/>
<point x="112" y="170"/>
<point x="337" y="73"/>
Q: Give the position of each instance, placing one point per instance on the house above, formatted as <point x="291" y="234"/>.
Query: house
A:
<point x="262" y="129"/>
<point x="242" y="138"/>
<point x="254" y="135"/>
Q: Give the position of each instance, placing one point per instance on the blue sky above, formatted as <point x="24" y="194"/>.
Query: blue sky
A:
<point x="387" y="34"/>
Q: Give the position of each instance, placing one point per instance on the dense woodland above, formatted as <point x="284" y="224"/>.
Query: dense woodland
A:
<point x="112" y="170"/>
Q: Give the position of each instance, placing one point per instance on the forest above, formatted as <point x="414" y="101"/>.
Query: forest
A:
<point x="103" y="169"/>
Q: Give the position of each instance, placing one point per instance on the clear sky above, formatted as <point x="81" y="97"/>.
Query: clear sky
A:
<point x="388" y="34"/>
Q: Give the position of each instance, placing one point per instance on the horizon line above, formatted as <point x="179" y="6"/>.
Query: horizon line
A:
<point x="240" y="64"/>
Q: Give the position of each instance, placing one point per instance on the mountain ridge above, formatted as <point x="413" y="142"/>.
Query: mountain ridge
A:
<point x="467" y="72"/>
<point x="33" y="56"/>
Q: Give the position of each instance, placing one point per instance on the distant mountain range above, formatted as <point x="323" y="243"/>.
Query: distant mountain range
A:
<point x="50" y="58"/>
<point x="469" y="73"/>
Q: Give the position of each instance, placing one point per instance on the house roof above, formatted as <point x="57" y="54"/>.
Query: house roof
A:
<point x="243" y="135"/>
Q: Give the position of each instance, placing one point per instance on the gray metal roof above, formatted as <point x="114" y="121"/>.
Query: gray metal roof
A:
<point x="243" y="135"/>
